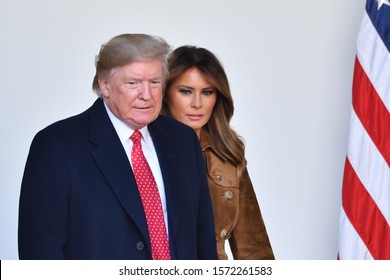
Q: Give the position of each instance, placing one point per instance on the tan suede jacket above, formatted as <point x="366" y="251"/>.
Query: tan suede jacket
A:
<point x="237" y="215"/>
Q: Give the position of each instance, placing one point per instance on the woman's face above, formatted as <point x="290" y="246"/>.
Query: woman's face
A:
<point x="191" y="99"/>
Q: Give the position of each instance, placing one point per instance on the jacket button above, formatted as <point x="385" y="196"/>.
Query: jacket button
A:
<point x="219" y="178"/>
<point x="223" y="233"/>
<point x="228" y="195"/>
<point x="140" y="245"/>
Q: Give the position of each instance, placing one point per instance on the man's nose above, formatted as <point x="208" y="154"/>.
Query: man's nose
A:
<point x="144" y="90"/>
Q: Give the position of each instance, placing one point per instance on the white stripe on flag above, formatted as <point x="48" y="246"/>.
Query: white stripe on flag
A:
<point x="375" y="59"/>
<point x="369" y="165"/>
<point x="350" y="244"/>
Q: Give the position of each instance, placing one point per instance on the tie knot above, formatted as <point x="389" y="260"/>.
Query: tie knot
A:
<point x="136" y="136"/>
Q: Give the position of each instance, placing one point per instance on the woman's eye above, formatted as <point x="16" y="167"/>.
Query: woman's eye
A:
<point x="185" y="91"/>
<point x="208" y="92"/>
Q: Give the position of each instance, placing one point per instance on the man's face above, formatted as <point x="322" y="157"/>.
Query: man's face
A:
<point x="133" y="92"/>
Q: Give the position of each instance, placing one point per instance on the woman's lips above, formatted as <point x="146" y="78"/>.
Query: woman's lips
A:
<point x="194" y="117"/>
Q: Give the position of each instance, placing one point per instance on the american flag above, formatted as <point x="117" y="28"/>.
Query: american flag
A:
<point x="364" y="231"/>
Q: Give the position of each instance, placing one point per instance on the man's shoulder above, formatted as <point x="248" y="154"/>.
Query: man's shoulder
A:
<point x="172" y="131"/>
<point x="67" y="123"/>
<point x="172" y="127"/>
<point x="66" y="127"/>
<point x="165" y="121"/>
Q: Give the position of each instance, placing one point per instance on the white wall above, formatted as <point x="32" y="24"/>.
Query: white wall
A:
<point x="290" y="65"/>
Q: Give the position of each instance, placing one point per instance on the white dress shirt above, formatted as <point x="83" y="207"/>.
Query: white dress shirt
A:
<point x="124" y="132"/>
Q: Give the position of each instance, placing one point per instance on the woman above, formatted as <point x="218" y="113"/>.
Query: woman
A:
<point x="197" y="93"/>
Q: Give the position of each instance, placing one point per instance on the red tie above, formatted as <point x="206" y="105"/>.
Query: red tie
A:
<point x="151" y="200"/>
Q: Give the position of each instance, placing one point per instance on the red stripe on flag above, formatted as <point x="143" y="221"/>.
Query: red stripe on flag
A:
<point x="364" y="215"/>
<point x="371" y="111"/>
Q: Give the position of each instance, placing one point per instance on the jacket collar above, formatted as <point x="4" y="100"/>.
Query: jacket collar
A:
<point x="207" y="144"/>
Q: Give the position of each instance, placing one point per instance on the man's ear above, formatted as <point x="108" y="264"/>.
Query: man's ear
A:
<point x="104" y="87"/>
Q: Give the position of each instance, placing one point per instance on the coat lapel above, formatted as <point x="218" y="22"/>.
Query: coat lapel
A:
<point x="114" y="164"/>
<point x="164" y="143"/>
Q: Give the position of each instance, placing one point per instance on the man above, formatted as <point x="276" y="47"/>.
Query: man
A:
<point x="82" y="194"/>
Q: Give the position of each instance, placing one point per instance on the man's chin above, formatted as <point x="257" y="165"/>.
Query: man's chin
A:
<point x="142" y="122"/>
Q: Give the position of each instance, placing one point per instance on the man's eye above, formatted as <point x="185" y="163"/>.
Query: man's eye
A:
<point x="155" y="83"/>
<point x="131" y="84"/>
